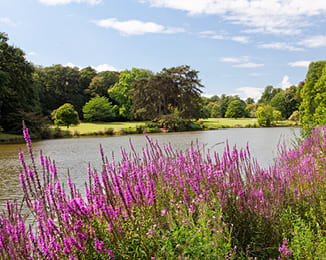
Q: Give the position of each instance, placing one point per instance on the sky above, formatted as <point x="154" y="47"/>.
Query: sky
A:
<point x="238" y="46"/>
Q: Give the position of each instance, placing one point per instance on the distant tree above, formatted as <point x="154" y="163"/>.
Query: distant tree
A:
<point x="236" y="109"/>
<point x="101" y="83"/>
<point x="99" y="109"/>
<point x="224" y="103"/>
<point x="59" y="85"/>
<point x="251" y="110"/>
<point x="250" y="101"/>
<point x="86" y="76"/>
<point x="278" y="102"/>
<point x="277" y="115"/>
<point x="66" y="115"/>
<point x="121" y="94"/>
<point x="295" y="116"/>
<point x="268" y="94"/>
<point x="265" y="115"/>
<point x="291" y="100"/>
<point x="216" y="110"/>
<point x="313" y="106"/>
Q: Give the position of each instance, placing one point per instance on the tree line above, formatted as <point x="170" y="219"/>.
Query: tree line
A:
<point x="36" y="93"/>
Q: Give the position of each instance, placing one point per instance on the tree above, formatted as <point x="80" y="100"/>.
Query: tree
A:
<point x="277" y="115"/>
<point x="86" y="76"/>
<point x="278" y="102"/>
<point x="60" y="85"/>
<point x="313" y="106"/>
<point x="268" y="94"/>
<point x="225" y="101"/>
<point x="66" y="115"/>
<point x="236" y="109"/>
<point x="265" y="115"/>
<point x="99" y="109"/>
<point x="250" y="101"/>
<point x="121" y="94"/>
<point x="17" y="92"/>
<point x="101" y="83"/>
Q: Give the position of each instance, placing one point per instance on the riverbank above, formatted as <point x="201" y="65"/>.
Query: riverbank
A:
<point x="129" y="128"/>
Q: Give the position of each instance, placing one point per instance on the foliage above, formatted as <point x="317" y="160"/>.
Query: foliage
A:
<point x="101" y="83"/>
<point x="59" y="85"/>
<point x="277" y="115"/>
<point x="313" y="106"/>
<point x="236" y="109"/>
<point x="66" y="115"/>
<point x="295" y="116"/>
<point x="251" y="110"/>
<point x="167" y="204"/>
<point x="268" y="94"/>
<point x="99" y="109"/>
<point x="16" y="92"/>
<point x="120" y="92"/>
<point x="265" y="115"/>
<point x="162" y="93"/>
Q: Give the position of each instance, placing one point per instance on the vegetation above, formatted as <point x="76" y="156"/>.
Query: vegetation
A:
<point x="165" y="204"/>
<point x="66" y="115"/>
<point x="99" y="109"/>
<point x="313" y="105"/>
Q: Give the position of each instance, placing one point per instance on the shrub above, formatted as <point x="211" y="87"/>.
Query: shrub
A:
<point x="295" y="116"/>
<point x="265" y="115"/>
<point x="164" y="204"/>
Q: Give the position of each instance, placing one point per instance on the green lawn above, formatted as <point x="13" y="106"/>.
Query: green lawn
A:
<point x="228" y="122"/>
<point x="85" y="128"/>
<point x="10" y="138"/>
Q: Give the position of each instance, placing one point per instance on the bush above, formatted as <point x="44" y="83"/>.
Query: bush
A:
<point x="265" y="115"/>
<point x="295" y="116"/>
<point x="99" y="109"/>
<point x="164" y="204"/>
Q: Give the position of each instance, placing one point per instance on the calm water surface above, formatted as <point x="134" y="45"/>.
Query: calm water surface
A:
<point x="75" y="154"/>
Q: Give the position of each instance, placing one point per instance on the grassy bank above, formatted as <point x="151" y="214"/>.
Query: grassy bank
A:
<point x="129" y="127"/>
<point x="10" y="138"/>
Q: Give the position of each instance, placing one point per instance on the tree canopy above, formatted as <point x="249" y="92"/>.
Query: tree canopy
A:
<point x="66" y="115"/>
<point x="99" y="109"/>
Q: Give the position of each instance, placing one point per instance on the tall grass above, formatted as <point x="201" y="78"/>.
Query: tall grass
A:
<point x="164" y="204"/>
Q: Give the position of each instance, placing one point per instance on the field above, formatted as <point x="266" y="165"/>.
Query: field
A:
<point x="210" y="123"/>
<point x="85" y="128"/>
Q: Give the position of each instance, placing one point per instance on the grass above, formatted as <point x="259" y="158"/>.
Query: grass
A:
<point x="210" y="123"/>
<point x="10" y="138"/>
<point x="85" y="128"/>
<point x="228" y="122"/>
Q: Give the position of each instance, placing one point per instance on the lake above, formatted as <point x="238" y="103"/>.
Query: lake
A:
<point x="76" y="153"/>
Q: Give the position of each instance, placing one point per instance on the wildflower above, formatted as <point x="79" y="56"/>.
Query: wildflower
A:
<point x="163" y="212"/>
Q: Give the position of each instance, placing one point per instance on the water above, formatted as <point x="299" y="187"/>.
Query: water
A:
<point x="75" y="154"/>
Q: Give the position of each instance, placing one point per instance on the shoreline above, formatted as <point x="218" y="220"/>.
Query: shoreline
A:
<point x="17" y="139"/>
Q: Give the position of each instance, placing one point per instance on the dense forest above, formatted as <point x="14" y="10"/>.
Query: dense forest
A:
<point x="40" y="95"/>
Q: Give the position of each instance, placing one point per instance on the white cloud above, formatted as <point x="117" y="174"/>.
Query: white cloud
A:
<point x="248" y="65"/>
<point x="285" y="83"/>
<point x="69" y="64"/>
<point x="136" y="27"/>
<point x="98" y="68"/>
<point x="279" y="46"/>
<point x="7" y="21"/>
<point x="302" y="63"/>
<point x="287" y="17"/>
<point x="241" y="39"/>
<point x="314" y="41"/>
<point x="211" y="35"/>
<point x="245" y="92"/>
<point x="64" y="2"/>
<point x="31" y="53"/>
<point x="104" y="67"/>
<point x="235" y="59"/>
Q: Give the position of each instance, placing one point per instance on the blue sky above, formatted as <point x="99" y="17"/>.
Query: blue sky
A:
<point x="238" y="46"/>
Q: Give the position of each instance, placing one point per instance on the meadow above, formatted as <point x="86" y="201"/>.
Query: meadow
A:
<point x="163" y="204"/>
